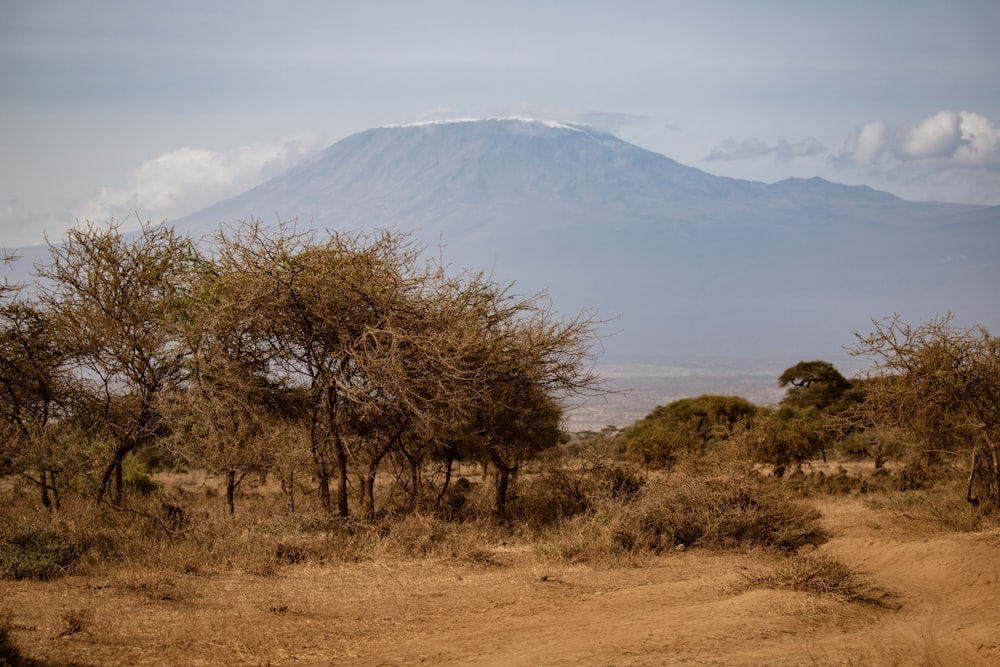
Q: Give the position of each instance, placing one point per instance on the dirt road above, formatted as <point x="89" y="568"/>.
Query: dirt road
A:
<point x="511" y="608"/>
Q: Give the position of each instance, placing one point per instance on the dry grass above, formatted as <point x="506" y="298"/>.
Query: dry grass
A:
<point x="185" y="528"/>
<point x="819" y="574"/>
<point x="684" y="510"/>
<point x="268" y="586"/>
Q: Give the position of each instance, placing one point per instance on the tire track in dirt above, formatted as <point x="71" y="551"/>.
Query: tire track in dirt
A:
<point x="947" y="585"/>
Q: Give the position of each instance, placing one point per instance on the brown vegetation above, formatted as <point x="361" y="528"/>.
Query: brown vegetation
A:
<point x="890" y="584"/>
<point x="302" y="450"/>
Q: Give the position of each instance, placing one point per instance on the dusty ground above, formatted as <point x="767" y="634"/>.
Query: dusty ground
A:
<point x="511" y="609"/>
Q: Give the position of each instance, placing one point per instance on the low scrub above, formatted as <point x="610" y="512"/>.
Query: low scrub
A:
<point x="818" y="574"/>
<point x="36" y="553"/>
<point x="912" y="476"/>
<point x="598" y="512"/>
<point x="936" y="509"/>
<point x="683" y="510"/>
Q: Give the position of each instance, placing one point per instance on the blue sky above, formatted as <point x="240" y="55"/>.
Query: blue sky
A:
<point x="108" y="109"/>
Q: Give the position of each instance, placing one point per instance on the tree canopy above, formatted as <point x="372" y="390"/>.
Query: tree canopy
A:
<point x="267" y="339"/>
<point x="815" y="384"/>
<point x="688" y="425"/>
<point x="939" y="385"/>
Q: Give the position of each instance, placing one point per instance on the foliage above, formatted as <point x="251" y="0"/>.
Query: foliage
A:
<point x="724" y="505"/>
<point x="686" y="426"/>
<point x="114" y="299"/>
<point x="813" y="384"/>
<point x="312" y="357"/>
<point x="786" y="437"/>
<point x="939" y="386"/>
<point x="36" y="553"/>
<point x="36" y="392"/>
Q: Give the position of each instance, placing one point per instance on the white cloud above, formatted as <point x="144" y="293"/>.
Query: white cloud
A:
<point x="867" y="145"/>
<point x="980" y="144"/>
<point x="948" y="139"/>
<point x="782" y="150"/>
<point x="187" y="179"/>
<point x="948" y="152"/>
<point x="936" y="137"/>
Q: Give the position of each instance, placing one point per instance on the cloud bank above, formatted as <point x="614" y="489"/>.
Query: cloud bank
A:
<point x="946" y="139"/>
<point x="782" y="150"/>
<point x="946" y="150"/>
<point x="188" y="179"/>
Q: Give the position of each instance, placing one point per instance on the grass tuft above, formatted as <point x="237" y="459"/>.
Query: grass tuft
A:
<point x="818" y="574"/>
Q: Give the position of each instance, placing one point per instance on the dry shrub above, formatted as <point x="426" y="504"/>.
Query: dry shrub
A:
<point x="941" y="508"/>
<point x="567" y="485"/>
<point x="687" y="509"/>
<point x="426" y="536"/>
<point x="912" y="476"/>
<point x="818" y="574"/>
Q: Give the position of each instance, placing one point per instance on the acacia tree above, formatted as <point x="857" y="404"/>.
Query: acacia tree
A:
<point x="115" y="298"/>
<point x="786" y="438"/>
<point x="516" y="362"/>
<point x="812" y="384"/>
<point x="392" y="353"/>
<point x="940" y="385"/>
<point x="232" y="404"/>
<point x="328" y="311"/>
<point x="36" y="392"/>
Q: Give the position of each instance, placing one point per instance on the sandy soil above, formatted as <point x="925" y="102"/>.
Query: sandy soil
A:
<point x="942" y="608"/>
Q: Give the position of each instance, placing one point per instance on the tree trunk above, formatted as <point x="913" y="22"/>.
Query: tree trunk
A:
<point x="414" y="481"/>
<point x="231" y="491"/>
<point x="119" y="491"/>
<point x="54" y="488"/>
<point x="449" y="462"/>
<point x="368" y="492"/>
<point x="324" y="493"/>
<point x="45" y="491"/>
<point x="342" y="502"/>
<point x="503" y="487"/>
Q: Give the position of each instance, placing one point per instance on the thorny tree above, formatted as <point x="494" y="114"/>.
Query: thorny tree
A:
<point x="233" y="407"/>
<point x="322" y="309"/>
<point x="514" y="363"/>
<point x="115" y="299"/>
<point x="940" y="384"/>
<point x="36" y="392"/>
<point x="392" y="353"/>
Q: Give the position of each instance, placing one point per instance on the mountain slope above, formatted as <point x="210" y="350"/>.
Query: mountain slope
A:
<point x="695" y="265"/>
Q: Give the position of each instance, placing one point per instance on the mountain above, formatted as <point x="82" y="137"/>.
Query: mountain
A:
<point x="692" y="265"/>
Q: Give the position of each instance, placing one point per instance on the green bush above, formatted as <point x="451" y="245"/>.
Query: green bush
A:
<point x="36" y="553"/>
<point x="136" y="479"/>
